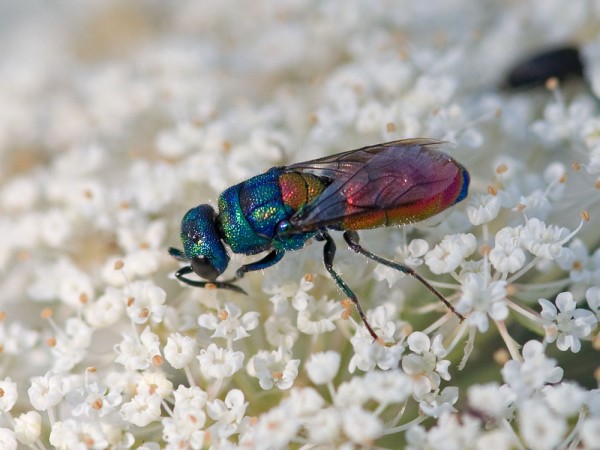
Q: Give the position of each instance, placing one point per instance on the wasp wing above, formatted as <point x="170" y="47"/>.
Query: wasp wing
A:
<point x="369" y="183"/>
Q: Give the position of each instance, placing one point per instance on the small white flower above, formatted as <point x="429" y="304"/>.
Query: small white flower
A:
<point x="499" y="438"/>
<point x="227" y="414"/>
<point x="388" y="274"/>
<point x="55" y="229"/>
<point x="296" y="292"/>
<point x="19" y="193"/>
<point x="64" y="434"/>
<point x="370" y="427"/>
<point x="180" y="350"/>
<point x="491" y="399"/>
<point x="145" y="301"/>
<point x="533" y="373"/>
<point x="93" y="399"/>
<point x="565" y="398"/>
<point x="356" y="391"/>
<point x="389" y="386"/>
<point x="383" y="321"/>
<point x="416" y="438"/>
<point x="116" y="277"/>
<point x="410" y="255"/>
<point x="535" y="204"/>
<point x="8" y="396"/>
<point x="450" y="253"/>
<point x="425" y="365"/>
<point x="561" y="122"/>
<point x="45" y="391"/>
<point x="590" y="432"/>
<point x="592" y="296"/>
<point x="567" y="326"/>
<point x="175" y="142"/>
<point x="154" y="383"/>
<point x="141" y="263"/>
<point x="63" y="280"/>
<point x="28" y="427"/>
<point x="324" y="426"/>
<point x="106" y="310"/>
<point x="483" y="208"/>
<point x="71" y="345"/>
<point x="153" y="186"/>
<point x="118" y="436"/>
<point x="592" y="401"/>
<point x="16" y="338"/>
<point x="77" y="434"/>
<point x="369" y="354"/>
<point x="546" y="241"/>
<point x="275" y="429"/>
<point x="539" y="427"/>
<point x="583" y="268"/>
<point x="323" y="367"/>
<point x="481" y="299"/>
<point x="436" y="404"/>
<point x="141" y="409"/>
<point x="229" y="322"/>
<point x="318" y="316"/>
<point x="450" y="432"/>
<point x="218" y="363"/>
<point x="274" y="368"/>
<point x="136" y="353"/>
<point x="185" y="428"/>
<point x="280" y="331"/>
<point x="8" y="439"/>
<point x="305" y="402"/>
<point x="142" y="234"/>
<point x="370" y="117"/>
<point x="593" y="167"/>
<point x="189" y="398"/>
<point x="507" y="256"/>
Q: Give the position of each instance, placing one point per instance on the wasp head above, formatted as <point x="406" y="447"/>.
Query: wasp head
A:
<point x="202" y="244"/>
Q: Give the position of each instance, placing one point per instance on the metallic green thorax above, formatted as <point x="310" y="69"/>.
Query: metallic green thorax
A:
<point x="251" y="213"/>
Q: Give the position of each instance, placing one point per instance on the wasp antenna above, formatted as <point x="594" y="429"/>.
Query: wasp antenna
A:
<point x="231" y="287"/>
<point x="178" y="254"/>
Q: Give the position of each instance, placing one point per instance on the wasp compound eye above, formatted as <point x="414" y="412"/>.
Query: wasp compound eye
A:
<point x="204" y="269"/>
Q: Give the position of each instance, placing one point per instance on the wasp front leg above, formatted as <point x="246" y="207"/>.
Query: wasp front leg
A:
<point x="180" y="275"/>
<point x="269" y="260"/>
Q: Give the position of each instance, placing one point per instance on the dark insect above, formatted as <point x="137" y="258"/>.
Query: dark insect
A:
<point x="560" y="63"/>
<point x="388" y="184"/>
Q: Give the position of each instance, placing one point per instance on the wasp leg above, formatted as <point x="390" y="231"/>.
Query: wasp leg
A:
<point x="328" y="255"/>
<point x="269" y="260"/>
<point x="202" y="284"/>
<point x="352" y="239"/>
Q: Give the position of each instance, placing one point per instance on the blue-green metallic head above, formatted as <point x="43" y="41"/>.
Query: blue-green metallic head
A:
<point x="202" y="242"/>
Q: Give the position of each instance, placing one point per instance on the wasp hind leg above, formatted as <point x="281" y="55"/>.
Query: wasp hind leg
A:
<point x="352" y="239"/>
<point x="328" y="256"/>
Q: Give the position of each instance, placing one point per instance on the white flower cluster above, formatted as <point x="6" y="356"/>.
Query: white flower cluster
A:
<point x="116" y="117"/>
